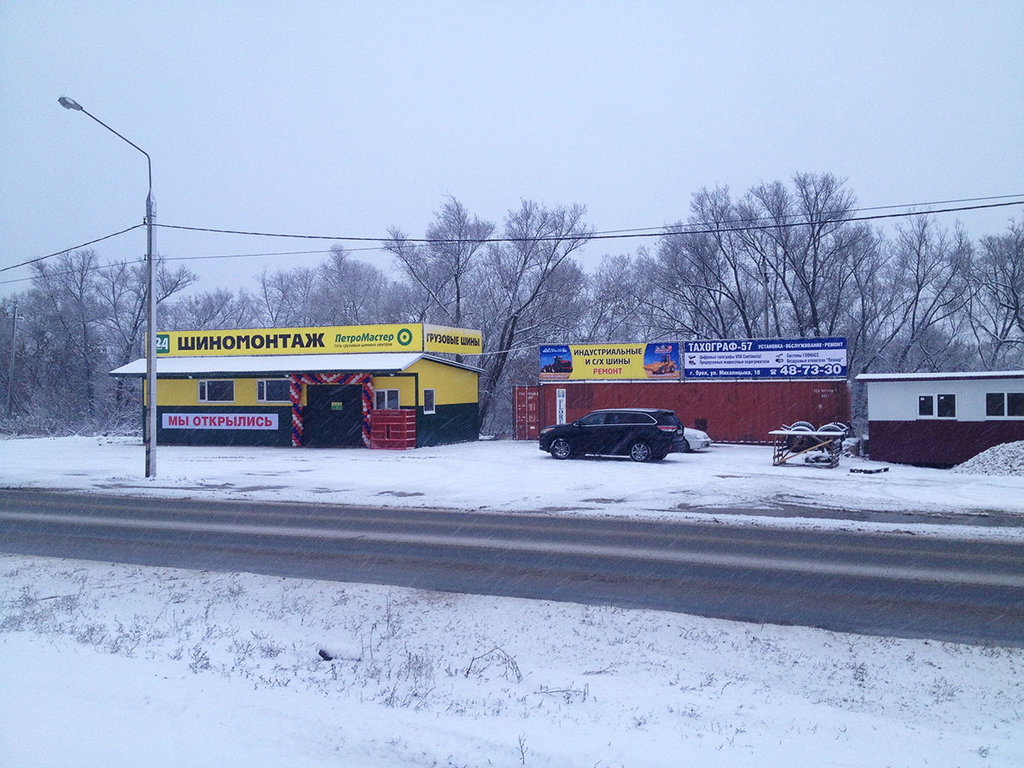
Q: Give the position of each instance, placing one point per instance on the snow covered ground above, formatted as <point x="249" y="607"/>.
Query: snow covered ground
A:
<point x="105" y="664"/>
<point x="509" y="476"/>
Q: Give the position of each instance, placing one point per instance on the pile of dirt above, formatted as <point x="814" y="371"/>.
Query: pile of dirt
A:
<point x="1003" y="459"/>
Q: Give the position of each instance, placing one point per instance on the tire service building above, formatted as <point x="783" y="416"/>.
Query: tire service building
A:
<point x="375" y="386"/>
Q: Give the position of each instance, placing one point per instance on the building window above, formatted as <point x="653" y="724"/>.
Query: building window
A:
<point x="385" y="399"/>
<point x="214" y="391"/>
<point x="943" y="406"/>
<point x="947" y="406"/>
<point x="273" y="391"/>
<point x="1015" y="404"/>
<point x="428" y="401"/>
<point x="995" y="403"/>
<point x="1004" y="404"/>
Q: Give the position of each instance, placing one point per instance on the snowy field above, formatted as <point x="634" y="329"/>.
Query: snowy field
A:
<point x="104" y="664"/>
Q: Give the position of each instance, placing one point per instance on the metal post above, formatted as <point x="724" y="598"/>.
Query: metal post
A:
<point x="150" y="339"/>
<point x="149" y="425"/>
<point x="764" y="282"/>
<point x="10" y="371"/>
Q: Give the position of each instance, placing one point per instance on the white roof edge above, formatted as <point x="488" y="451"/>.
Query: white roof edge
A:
<point x="947" y="375"/>
<point x="352" y="362"/>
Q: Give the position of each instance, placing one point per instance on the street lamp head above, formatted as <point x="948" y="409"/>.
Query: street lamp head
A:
<point x="67" y="103"/>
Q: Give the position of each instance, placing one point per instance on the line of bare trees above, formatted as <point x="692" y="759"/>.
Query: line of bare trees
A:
<point x="783" y="260"/>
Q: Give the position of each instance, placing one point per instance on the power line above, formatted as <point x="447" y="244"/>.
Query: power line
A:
<point x="693" y="228"/>
<point x="604" y="234"/>
<point x="912" y="212"/>
<point x="72" y="248"/>
<point x="825" y="219"/>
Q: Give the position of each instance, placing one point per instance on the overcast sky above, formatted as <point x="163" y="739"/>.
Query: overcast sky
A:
<point x="347" y="118"/>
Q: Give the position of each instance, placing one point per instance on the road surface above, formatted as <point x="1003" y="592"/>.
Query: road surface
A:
<point x="886" y="584"/>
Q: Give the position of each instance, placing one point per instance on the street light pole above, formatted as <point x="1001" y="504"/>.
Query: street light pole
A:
<point x="150" y="420"/>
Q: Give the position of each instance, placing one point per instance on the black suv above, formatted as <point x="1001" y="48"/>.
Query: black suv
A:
<point x="643" y="434"/>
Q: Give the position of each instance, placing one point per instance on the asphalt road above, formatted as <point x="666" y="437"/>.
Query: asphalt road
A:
<point x="886" y="584"/>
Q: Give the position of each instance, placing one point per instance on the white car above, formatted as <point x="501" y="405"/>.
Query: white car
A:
<point x="695" y="440"/>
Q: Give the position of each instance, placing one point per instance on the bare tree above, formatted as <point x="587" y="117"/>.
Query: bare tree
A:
<point x="701" y="282"/>
<point x="929" y="270"/>
<point x="441" y="269"/>
<point x="65" y="292"/>
<point x="779" y="262"/>
<point x="209" y="310"/>
<point x="997" y="306"/>
<point x="121" y="292"/>
<point x="351" y="292"/>
<point x="611" y="307"/>
<point x="285" y="298"/>
<point x="872" y="310"/>
<point x="806" y="250"/>
<point x="528" y="279"/>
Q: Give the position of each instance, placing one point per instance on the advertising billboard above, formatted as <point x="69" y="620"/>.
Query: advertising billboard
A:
<point x="457" y="341"/>
<point x="587" y="362"/>
<point x="408" y="337"/>
<point x="765" y="359"/>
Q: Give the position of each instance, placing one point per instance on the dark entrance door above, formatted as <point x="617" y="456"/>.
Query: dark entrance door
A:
<point x="333" y="416"/>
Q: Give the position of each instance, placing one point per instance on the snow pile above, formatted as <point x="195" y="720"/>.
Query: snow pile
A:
<point x="1003" y="459"/>
<point x="104" y="664"/>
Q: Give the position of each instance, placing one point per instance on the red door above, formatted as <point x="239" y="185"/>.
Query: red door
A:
<point x="526" y="402"/>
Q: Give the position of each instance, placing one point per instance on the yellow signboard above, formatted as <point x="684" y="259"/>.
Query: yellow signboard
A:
<point x="292" y="341"/>
<point x="408" y="337"/>
<point x="457" y="341"/>
<point x="579" y="362"/>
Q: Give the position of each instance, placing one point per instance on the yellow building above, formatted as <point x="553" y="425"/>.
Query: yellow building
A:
<point x="377" y="386"/>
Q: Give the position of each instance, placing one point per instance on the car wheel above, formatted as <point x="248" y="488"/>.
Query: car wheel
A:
<point x="685" y="446"/>
<point x="640" y="451"/>
<point x="560" y="448"/>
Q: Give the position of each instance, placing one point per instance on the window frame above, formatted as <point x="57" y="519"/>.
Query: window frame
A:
<point x="387" y="395"/>
<point x="1011" y="405"/>
<point x="945" y="406"/>
<point x="261" y="391"/>
<point x="203" y="391"/>
<point x="937" y="406"/>
<point x="926" y="406"/>
<point x="1018" y="405"/>
<point x="432" y="397"/>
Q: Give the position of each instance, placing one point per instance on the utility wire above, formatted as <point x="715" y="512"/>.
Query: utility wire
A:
<point x="72" y="248"/>
<point x="913" y="211"/>
<point x="697" y="228"/>
<point x="604" y="234"/>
